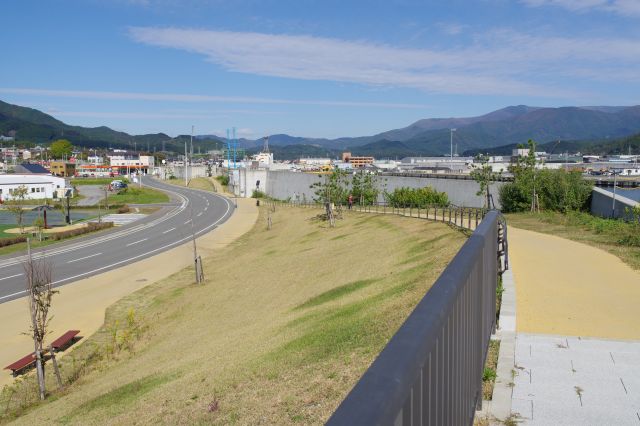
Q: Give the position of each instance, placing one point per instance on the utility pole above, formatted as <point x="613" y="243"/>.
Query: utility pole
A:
<point x="451" y="143"/>
<point x="191" y="152"/>
<point x="613" y="202"/>
<point x="186" y="180"/>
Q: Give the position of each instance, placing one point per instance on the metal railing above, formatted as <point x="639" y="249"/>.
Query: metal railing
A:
<point x="430" y="373"/>
<point x="462" y="217"/>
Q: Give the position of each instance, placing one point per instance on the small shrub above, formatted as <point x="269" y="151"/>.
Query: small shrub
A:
<point x="489" y="374"/>
<point x="223" y="179"/>
<point x="258" y="194"/>
<point x="91" y="227"/>
<point x="420" y="197"/>
<point x="4" y="242"/>
<point x="123" y="209"/>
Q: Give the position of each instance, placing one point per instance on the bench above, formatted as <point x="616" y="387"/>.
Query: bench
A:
<point x="65" y="340"/>
<point x="22" y="364"/>
<point x="29" y="361"/>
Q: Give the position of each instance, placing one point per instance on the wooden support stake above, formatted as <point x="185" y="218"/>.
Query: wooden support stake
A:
<point x="55" y="366"/>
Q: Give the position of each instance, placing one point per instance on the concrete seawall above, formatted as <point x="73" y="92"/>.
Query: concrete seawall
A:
<point x="296" y="185"/>
<point x="602" y="204"/>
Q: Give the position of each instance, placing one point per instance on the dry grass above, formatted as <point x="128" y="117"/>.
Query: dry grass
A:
<point x="204" y="183"/>
<point x="284" y="326"/>
<point x="490" y="369"/>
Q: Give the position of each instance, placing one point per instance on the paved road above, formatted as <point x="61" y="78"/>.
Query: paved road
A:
<point x="95" y="254"/>
<point x="93" y="194"/>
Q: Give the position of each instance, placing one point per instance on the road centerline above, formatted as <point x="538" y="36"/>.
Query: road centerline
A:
<point x="83" y="258"/>
<point x="137" y="242"/>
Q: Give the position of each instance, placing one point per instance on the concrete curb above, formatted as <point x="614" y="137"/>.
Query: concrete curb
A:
<point x="500" y="407"/>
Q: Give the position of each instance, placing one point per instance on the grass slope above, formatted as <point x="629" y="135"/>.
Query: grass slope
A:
<point x="284" y="326"/>
<point x="133" y="195"/>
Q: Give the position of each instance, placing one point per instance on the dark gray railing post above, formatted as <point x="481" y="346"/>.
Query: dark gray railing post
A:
<point x="430" y="372"/>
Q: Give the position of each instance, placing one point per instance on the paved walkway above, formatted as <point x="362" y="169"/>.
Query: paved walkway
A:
<point x="577" y="345"/>
<point x="81" y="305"/>
<point x="92" y="194"/>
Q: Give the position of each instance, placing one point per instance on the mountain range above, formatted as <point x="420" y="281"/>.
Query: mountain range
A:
<point x="592" y="127"/>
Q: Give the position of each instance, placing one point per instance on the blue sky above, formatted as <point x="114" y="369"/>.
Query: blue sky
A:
<point x="311" y="68"/>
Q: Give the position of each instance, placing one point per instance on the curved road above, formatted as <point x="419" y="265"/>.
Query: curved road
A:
<point x="95" y="254"/>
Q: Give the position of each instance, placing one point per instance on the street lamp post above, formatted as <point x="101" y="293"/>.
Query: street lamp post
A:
<point x="613" y="203"/>
<point x="451" y="142"/>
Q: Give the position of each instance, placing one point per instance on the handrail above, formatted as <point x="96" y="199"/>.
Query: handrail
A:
<point x="430" y="373"/>
<point x="461" y="217"/>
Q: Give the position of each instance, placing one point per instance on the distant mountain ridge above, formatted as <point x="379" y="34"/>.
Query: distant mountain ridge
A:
<point x="510" y="125"/>
<point x="37" y="127"/>
<point x="431" y="136"/>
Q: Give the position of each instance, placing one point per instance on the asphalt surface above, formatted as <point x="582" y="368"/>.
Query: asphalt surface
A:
<point x="94" y="254"/>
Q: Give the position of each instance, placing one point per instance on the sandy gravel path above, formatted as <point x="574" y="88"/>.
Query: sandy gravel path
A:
<point x="569" y="288"/>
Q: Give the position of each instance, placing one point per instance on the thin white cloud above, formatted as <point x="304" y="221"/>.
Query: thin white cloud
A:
<point x="133" y="115"/>
<point x="501" y="62"/>
<point x="629" y="8"/>
<point x="452" y="28"/>
<point x="175" y="97"/>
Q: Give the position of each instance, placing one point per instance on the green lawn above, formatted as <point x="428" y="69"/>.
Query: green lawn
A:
<point x="97" y="181"/>
<point x="3" y="228"/>
<point x="285" y="324"/>
<point x="134" y="195"/>
<point x="619" y="238"/>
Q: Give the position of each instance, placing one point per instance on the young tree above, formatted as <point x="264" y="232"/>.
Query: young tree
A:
<point x="39" y="279"/>
<point x="16" y="203"/>
<point x="364" y="187"/>
<point x="483" y="174"/>
<point x="61" y="148"/>
<point x="332" y="188"/>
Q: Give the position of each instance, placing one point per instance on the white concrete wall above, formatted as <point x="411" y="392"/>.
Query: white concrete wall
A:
<point x="461" y="192"/>
<point x="243" y="181"/>
<point x="602" y="204"/>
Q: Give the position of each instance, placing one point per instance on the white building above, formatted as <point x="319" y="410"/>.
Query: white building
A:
<point x="38" y="186"/>
<point x="95" y="159"/>
<point x="264" y="159"/>
<point x="144" y="161"/>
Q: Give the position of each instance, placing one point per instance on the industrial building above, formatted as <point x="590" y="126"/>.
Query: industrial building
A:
<point x="38" y="186"/>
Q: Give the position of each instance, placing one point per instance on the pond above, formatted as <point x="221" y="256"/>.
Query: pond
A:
<point x="54" y="217"/>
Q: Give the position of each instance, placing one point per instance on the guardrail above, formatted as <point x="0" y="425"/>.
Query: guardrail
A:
<point x="430" y="373"/>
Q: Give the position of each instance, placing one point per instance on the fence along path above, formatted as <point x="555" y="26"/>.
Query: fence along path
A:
<point x="430" y="372"/>
<point x="462" y="217"/>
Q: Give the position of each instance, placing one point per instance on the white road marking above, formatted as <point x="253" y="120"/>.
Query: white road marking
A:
<point x="175" y="243"/>
<point x="137" y="242"/>
<point x="199" y="214"/>
<point x="13" y="294"/>
<point x="188" y="222"/>
<point x="131" y="259"/>
<point x="83" y="258"/>
<point x="206" y="208"/>
<point x="168" y="230"/>
<point x="12" y="276"/>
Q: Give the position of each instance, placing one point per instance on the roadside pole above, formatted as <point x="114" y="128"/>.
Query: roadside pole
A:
<point x="197" y="261"/>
